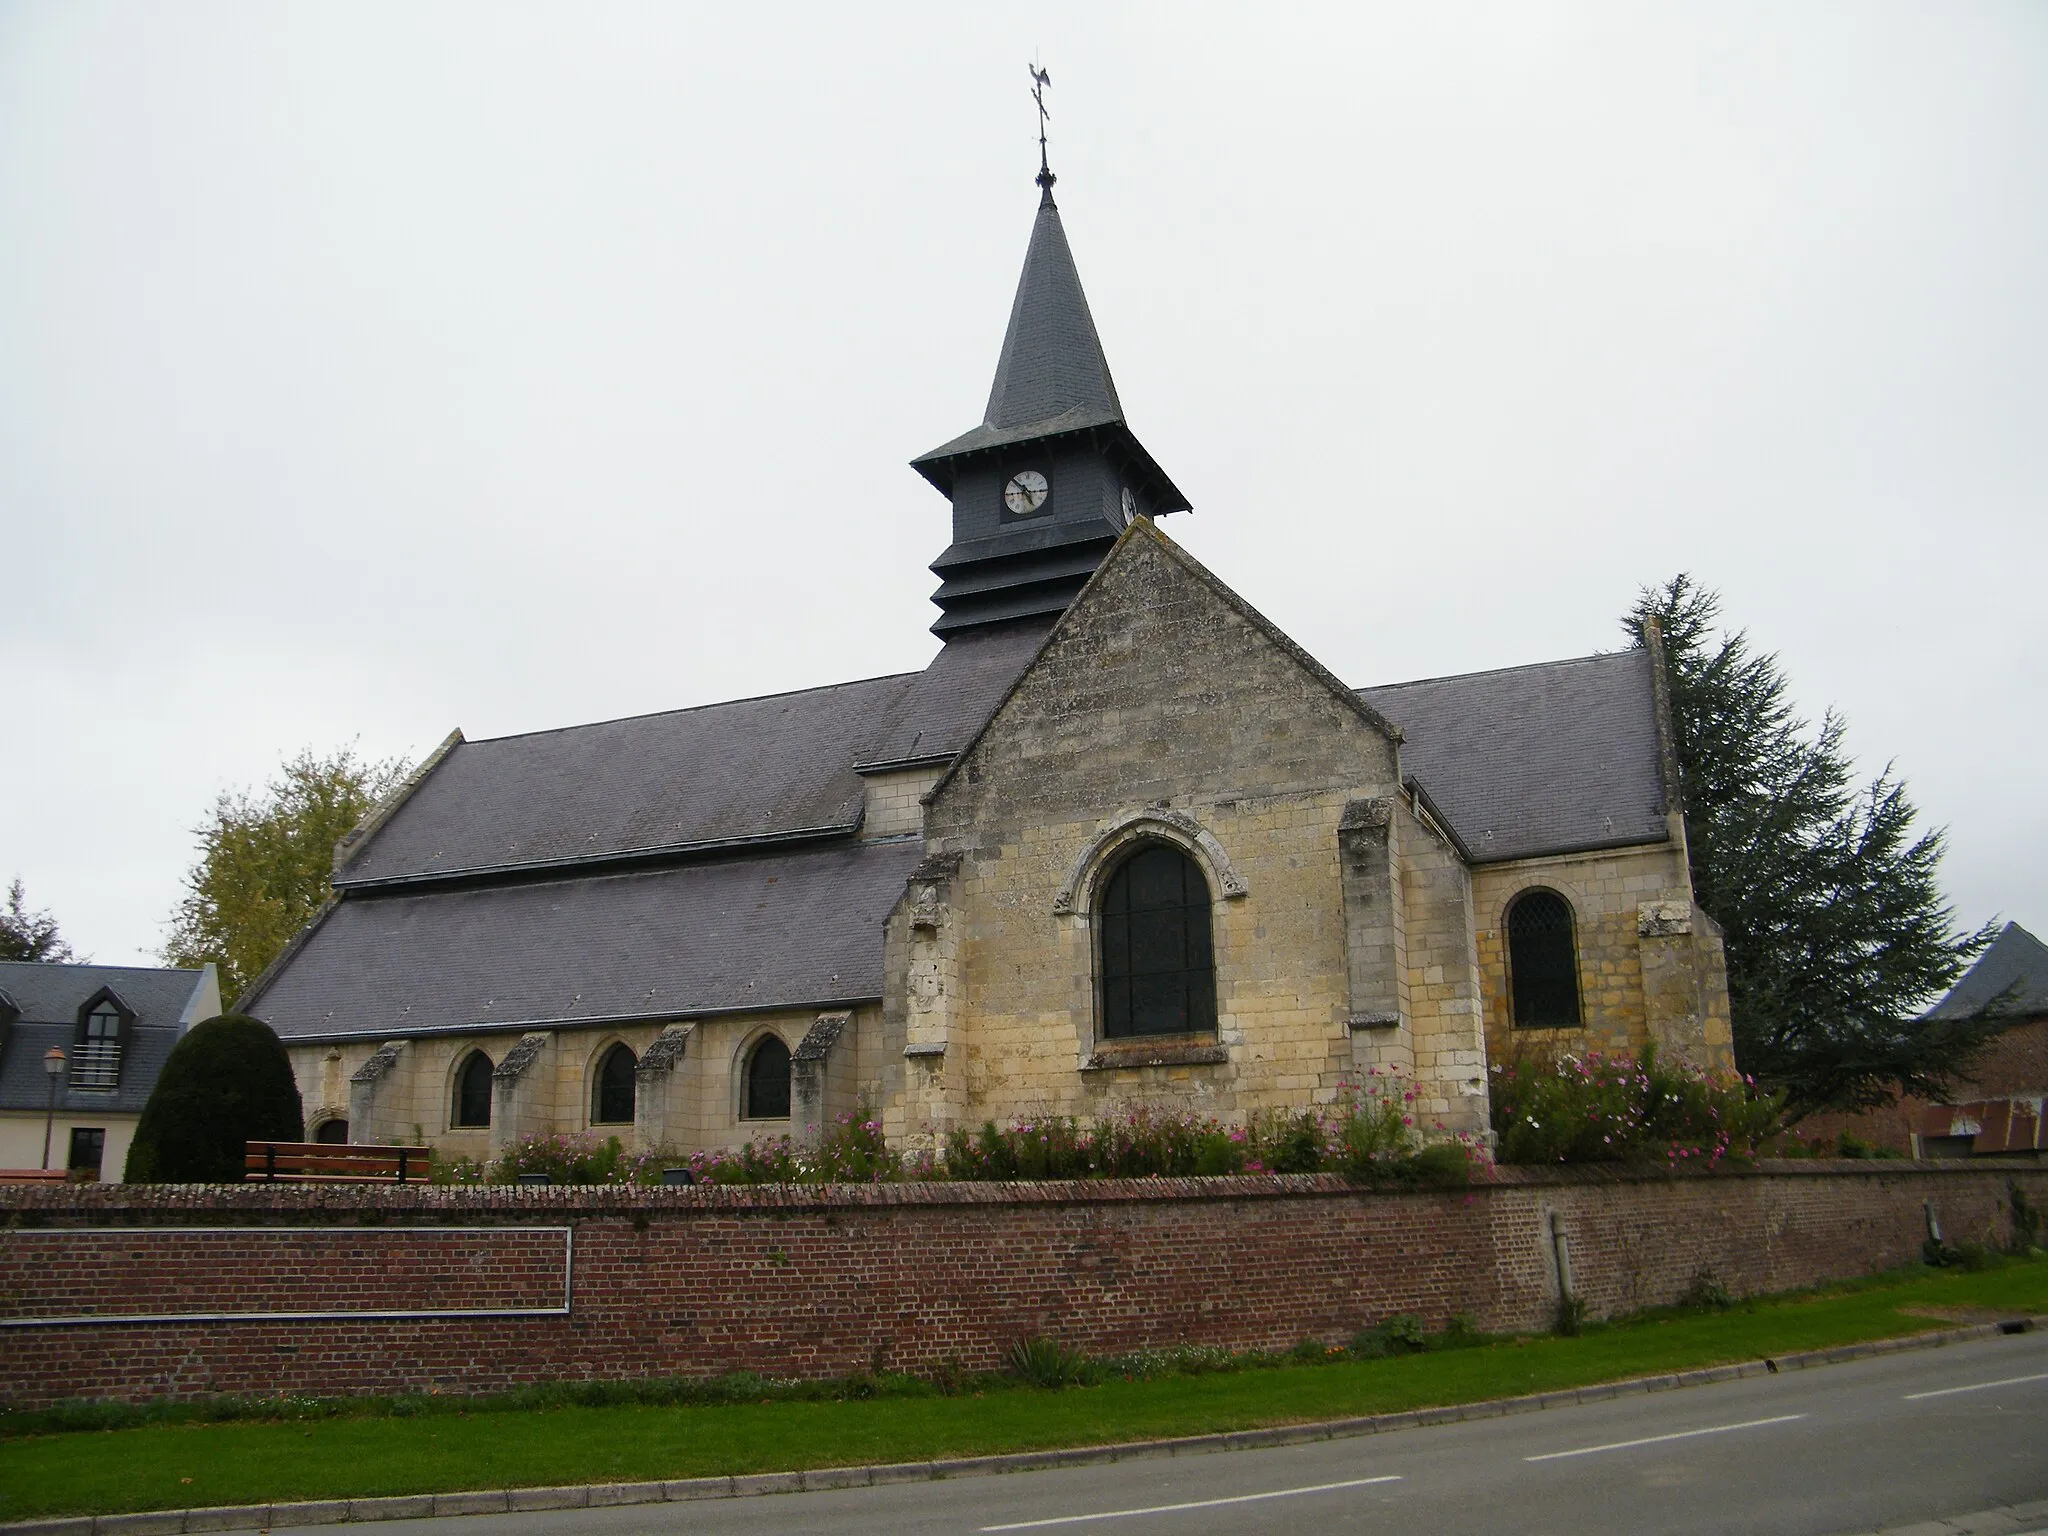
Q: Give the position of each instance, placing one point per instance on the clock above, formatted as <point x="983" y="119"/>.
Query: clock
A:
<point x="1130" y="506"/>
<point x="1026" y="492"/>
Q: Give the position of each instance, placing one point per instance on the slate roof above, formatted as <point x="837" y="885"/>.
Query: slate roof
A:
<point x="1552" y="758"/>
<point x="49" y="997"/>
<point x="775" y="930"/>
<point x="1052" y="376"/>
<point x="781" y="766"/>
<point x="945" y="704"/>
<point x="2016" y="959"/>
<point x="767" y="767"/>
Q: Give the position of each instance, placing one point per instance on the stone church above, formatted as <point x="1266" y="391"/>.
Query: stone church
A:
<point x="1121" y="842"/>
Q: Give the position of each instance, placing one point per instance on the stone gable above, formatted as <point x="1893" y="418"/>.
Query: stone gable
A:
<point x="1161" y="707"/>
<point x="1160" y="684"/>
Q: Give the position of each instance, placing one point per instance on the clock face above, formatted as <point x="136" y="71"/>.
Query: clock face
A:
<point x="1026" y="492"/>
<point x="1130" y="504"/>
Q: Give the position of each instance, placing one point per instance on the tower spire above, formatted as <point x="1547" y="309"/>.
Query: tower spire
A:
<point x="1041" y="79"/>
<point x="1042" y="488"/>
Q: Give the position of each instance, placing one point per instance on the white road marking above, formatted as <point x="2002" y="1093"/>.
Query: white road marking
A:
<point x="1683" y="1434"/>
<point x="1167" y="1509"/>
<point x="2010" y="1381"/>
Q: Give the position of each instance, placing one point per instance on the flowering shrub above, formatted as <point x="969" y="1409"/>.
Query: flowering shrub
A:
<point x="1136" y="1144"/>
<point x="1368" y="1135"/>
<point x="755" y="1162"/>
<point x="1614" y="1109"/>
<point x="854" y="1151"/>
<point x="564" y="1159"/>
<point x="1052" y="1147"/>
<point x="454" y="1169"/>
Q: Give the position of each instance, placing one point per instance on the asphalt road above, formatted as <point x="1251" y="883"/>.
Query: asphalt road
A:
<point x="1857" y="1447"/>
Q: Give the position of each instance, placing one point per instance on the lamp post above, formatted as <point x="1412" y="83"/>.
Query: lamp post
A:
<point x="53" y="1065"/>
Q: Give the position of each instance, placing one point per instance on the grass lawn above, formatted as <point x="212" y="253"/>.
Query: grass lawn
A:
<point x="185" y="1465"/>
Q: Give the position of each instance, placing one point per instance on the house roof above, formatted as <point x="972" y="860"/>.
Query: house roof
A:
<point x="1552" y="758"/>
<point x="782" y="929"/>
<point x="2017" y="961"/>
<point x="49" y="997"/>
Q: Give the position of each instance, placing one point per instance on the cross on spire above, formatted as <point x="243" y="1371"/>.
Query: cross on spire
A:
<point x="1040" y="79"/>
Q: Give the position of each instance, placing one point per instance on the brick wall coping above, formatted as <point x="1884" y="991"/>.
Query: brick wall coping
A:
<point x="28" y="1204"/>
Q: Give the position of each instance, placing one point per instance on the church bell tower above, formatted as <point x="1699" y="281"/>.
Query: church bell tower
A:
<point x="1043" y="486"/>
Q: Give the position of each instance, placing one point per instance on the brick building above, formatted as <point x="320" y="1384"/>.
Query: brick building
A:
<point x="1995" y="1111"/>
<point x="1120" y="841"/>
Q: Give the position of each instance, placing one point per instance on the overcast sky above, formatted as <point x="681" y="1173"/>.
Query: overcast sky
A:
<point x="372" y="370"/>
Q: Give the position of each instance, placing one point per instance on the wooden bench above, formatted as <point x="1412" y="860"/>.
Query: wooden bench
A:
<point x="327" y="1162"/>
<point x="34" y="1176"/>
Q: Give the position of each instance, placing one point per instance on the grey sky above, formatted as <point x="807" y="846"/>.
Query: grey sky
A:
<point x="369" y="370"/>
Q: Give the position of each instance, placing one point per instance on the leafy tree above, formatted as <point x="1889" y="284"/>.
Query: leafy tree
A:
<point x="1837" y="933"/>
<point x="26" y="935"/>
<point x="226" y="1082"/>
<point x="265" y="861"/>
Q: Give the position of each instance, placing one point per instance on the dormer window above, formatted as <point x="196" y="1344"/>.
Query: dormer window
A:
<point x="102" y="1032"/>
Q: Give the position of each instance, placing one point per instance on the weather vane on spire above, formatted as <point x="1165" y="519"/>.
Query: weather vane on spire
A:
<point x="1040" y="79"/>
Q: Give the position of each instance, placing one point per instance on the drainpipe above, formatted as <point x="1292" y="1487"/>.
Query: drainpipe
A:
<point x="1560" y="1247"/>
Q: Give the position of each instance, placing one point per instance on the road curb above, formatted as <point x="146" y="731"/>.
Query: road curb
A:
<point x="581" y="1495"/>
<point x="2007" y="1520"/>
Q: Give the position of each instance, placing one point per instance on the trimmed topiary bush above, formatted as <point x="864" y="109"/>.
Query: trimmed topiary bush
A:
<point x="227" y="1082"/>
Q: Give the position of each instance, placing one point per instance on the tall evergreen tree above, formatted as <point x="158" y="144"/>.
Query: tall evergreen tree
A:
<point x="26" y="935"/>
<point x="265" y="861"/>
<point x="1837" y="934"/>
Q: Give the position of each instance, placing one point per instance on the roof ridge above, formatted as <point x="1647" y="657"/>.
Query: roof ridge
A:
<point x="1526" y="666"/>
<point x="691" y="709"/>
<point x="95" y="965"/>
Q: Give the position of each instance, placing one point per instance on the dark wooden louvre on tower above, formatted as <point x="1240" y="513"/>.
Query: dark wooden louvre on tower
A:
<point x="1052" y="410"/>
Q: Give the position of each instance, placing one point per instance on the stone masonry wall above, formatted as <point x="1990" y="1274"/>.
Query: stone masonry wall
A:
<point x="1607" y="891"/>
<point x="1157" y="695"/>
<point x="414" y="1100"/>
<point x="814" y="1282"/>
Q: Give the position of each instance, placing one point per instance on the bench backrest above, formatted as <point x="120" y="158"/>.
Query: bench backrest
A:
<point x="334" y="1160"/>
<point x="33" y="1176"/>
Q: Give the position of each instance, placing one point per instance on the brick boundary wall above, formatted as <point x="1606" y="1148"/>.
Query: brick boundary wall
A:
<point x="814" y="1282"/>
<point x="69" y="1272"/>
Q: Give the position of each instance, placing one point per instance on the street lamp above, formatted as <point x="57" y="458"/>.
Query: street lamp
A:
<point x="53" y="1064"/>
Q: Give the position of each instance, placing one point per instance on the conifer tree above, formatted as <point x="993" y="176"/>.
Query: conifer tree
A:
<point x="1837" y="934"/>
<point x="227" y="1082"/>
<point x="27" y="935"/>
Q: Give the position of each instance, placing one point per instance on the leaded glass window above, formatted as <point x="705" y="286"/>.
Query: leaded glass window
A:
<point x="473" y="1093"/>
<point x="1543" y="961"/>
<point x="767" y="1084"/>
<point x="611" y="1095"/>
<point x="1158" y="964"/>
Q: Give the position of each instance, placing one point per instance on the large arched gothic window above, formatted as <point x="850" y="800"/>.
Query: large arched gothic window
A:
<point x="611" y="1093"/>
<point x="766" y="1089"/>
<point x="473" y="1093"/>
<point x="1158" y="963"/>
<point x="1543" y="961"/>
